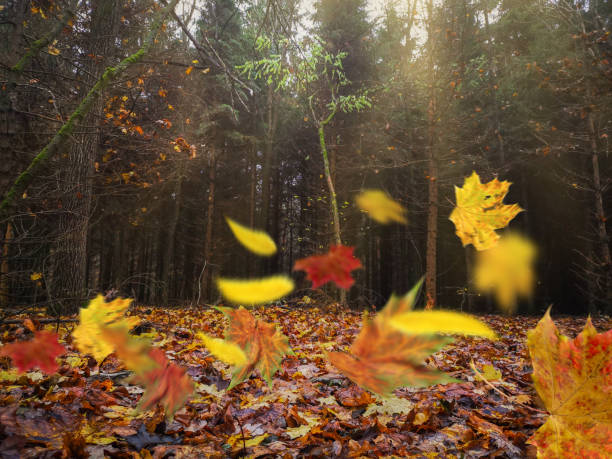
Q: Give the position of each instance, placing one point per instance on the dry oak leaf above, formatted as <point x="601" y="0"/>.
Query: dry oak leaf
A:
<point x="336" y="266"/>
<point x="98" y="315"/>
<point x="166" y="383"/>
<point x="574" y="379"/>
<point x="380" y="207"/>
<point x="480" y="211"/>
<point x="264" y="345"/>
<point x="506" y="270"/>
<point x="40" y="352"/>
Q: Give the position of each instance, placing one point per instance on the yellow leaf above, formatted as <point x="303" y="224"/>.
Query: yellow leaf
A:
<point x="381" y="207"/>
<point x="435" y="322"/>
<point x="256" y="241"/>
<point x="195" y="61"/>
<point x="189" y="69"/>
<point x="35" y="276"/>
<point x="99" y="314"/>
<point x="226" y="351"/>
<point x="480" y="211"/>
<point x="491" y="373"/>
<point x="506" y="270"/>
<point x="257" y="291"/>
<point x="573" y="379"/>
<point x="255" y="440"/>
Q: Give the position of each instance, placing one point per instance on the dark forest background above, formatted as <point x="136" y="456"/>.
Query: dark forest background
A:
<point x="135" y="200"/>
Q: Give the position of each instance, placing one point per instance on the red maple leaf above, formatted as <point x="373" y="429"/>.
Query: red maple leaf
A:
<point x="39" y="352"/>
<point x="167" y="384"/>
<point x="336" y="265"/>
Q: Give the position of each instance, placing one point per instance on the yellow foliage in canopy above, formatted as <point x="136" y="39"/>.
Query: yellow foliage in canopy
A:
<point x="256" y="291"/>
<point x="381" y="207"/>
<point x="480" y="211"/>
<point x="88" y="335"/>
<point x="224" y="350"/>
<point x="257" y="242"/>
<point x="435" y="322"/>
<point x="506" y="270"/>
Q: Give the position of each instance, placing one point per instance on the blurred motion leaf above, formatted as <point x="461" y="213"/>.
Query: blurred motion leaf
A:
<point x="226" y="351"/>
<point x="433" y="322"/>
<point x="255" y="291"/>
<point x="264" y="345"/>
<point x="40" y="352"/>
<point x="256" y="241"/>
<point x="336" y="265"/>
<point x="88" y="336"/>
<point x="506" y="270"/>
<point x="380" y="207"/>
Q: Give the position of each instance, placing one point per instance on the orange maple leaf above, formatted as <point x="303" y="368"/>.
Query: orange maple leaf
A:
<point x="264" y="345"/>
<point x="574" y="379"/>
<point x="40" y="352"/>
<point x="167" y="384"/>
<point x="381" y="359"/>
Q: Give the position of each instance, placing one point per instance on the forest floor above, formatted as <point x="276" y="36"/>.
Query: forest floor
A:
<point x="311" y="410"/>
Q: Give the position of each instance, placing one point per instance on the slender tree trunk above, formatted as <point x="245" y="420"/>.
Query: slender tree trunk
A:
<point x="210" y="213"/>
<point x="5" y="267"/>
<point x="603" y="255"/>
<point x="432" y="186"/>
<point x="169" y="259"/>
<point x="332" y="195"/>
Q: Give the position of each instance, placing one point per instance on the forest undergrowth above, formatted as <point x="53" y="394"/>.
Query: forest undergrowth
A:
<point x="311" y="409"/>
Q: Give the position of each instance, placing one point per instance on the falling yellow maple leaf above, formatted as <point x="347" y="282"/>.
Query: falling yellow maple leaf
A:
<point x="224" y="350"/>
<point x="257" y="242"/>
<point x="435" y="322"/>
<point x="88" y="335"/>
<point x="381" y="207"/>
<point x="480" y="211"/>
<point x="506" y="270"/>
<point x="255" y="291"/>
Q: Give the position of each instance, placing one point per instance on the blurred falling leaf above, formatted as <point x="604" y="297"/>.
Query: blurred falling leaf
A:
<point x="480" y="211"/>
<point x="256" y="241"/>
<point x="40" y="352"/>
<point x="35" y="276"/>
<point x="433" y="322"/>
<point x="167" y="384"/>
<point x="255" y="291"/>
<point x="381" y="207"/>
<point x="226" y="351"/>
<point x="88" y="336"/>
<point x="574" y="379"/>
<point x="506" y="270"/>
<point x="336" y="265"/>
<point x="264" y="345"/>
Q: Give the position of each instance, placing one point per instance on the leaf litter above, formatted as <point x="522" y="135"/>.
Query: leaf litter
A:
<point x="89" y="408"/>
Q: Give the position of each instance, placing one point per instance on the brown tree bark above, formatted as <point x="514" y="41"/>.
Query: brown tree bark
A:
<point x="210" y="214"/>
<point x="70" y="252"/>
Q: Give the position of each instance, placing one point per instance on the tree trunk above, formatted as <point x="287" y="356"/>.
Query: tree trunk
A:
<point x="4" y="266"/>
<point x="332" y="196"/>
<point x="168" y="262"/>
<point x="210" y="213"/>
<point x="603" y="251"/>
<point x="432" y="194"/>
